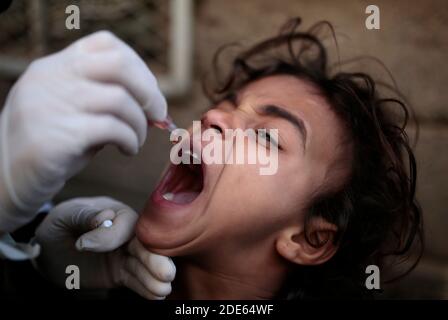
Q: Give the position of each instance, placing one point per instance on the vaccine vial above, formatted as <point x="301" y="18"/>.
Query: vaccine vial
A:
<point x="167" y="124"/>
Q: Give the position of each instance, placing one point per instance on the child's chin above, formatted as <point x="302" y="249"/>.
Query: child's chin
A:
<point x="161" y="239"/>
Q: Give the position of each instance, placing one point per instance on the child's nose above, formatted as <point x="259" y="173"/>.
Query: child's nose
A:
<point x="220" y="120"/>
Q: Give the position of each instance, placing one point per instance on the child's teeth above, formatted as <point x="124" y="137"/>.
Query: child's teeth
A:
<point x="168" y="196"/>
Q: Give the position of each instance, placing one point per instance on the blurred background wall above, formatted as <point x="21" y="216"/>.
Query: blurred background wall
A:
<point x="412" y="43"/>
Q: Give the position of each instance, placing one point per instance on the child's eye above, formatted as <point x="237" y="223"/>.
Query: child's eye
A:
<point x="264" y="134"/>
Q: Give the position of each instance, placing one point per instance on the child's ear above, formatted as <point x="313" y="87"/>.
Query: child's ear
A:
<point x="293" y="245"/>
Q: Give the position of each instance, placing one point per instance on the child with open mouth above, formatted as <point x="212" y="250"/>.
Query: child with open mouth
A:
<point x="334" y="200"/>
<point x="342" y="196"/>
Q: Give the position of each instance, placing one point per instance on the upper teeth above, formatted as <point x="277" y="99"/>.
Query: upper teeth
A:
<point x="192" y="154"/>
<point x="168" y="196"/>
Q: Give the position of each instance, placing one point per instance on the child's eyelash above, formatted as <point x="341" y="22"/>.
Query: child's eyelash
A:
<point x="265" y="134"/>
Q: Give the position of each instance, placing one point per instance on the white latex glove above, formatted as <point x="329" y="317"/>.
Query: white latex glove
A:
<point x="70" y="235"/>
<point x="62" y="110"/>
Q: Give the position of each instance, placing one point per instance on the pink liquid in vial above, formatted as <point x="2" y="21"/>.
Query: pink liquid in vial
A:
<point x="167" y="124"/>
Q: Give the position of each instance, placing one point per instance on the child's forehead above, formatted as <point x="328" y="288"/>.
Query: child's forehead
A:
<point x="277" y="86"/>
<point x="285" y="88"/>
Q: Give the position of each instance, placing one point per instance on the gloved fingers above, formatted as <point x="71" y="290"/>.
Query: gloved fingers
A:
<point x="111" y="99"/>
<point x="101" y="202"/>
<point x="105" y="239"/>
<point x="73" y="215"/>
<point x="97" y="41"/>
<point x="69" y="217"/>
<point x="123" y="227"/>
<point x="98" y="219"/>
<point x="100" y="130"/>
<point x="128" y="280"/>
<point x="124" y="67"/>
<point x="93" y="240"/>
<point x="149" y="282"/>
<point x="161" y="267"/>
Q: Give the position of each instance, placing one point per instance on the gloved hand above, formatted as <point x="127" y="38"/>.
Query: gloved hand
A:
<point x="62" y="110"/>
<point x="72" y="235"/>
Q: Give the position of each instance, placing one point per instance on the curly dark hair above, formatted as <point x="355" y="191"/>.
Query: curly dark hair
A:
<point x="375" y="210"/>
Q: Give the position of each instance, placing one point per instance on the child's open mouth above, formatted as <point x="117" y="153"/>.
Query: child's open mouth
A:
<point x="182" y="183"/>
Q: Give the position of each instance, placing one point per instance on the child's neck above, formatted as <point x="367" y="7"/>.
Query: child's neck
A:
<point x="242" y="280"/>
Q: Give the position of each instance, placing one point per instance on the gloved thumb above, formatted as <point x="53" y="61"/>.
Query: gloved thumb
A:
<point x="109" y="231"/>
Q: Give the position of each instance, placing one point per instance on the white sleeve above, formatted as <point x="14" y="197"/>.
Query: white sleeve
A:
<point x="12" y="250"/>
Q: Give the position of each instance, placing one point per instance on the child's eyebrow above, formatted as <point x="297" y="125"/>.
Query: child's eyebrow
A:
<point x="278" y="112"/>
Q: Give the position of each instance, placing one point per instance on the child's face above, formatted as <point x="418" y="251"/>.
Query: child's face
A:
<point x="238" y="208"/>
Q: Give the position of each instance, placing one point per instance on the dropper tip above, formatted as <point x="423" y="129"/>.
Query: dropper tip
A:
<point x="171" y="126"/>
<point x="167" y="124"/>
